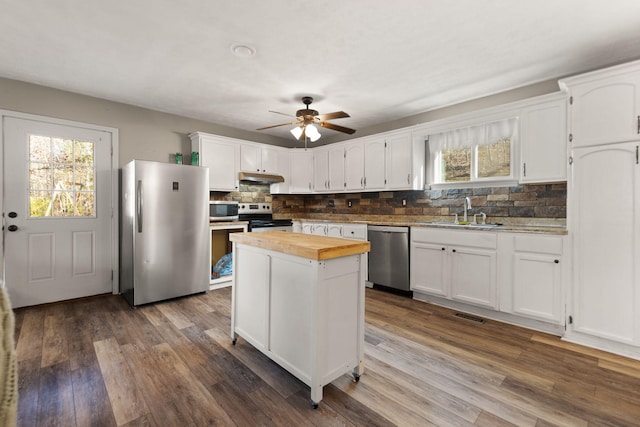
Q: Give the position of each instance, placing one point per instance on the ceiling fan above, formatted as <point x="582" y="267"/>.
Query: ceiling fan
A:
<point x="307" y="118"/>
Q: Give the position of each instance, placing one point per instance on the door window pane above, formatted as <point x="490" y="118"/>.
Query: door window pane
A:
<point x="61" y="177"/>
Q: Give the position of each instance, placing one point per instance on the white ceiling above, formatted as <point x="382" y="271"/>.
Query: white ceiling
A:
<point x="378" y="61"/>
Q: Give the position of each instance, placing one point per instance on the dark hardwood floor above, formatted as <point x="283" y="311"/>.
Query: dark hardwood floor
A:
<point x="97" y="362"/>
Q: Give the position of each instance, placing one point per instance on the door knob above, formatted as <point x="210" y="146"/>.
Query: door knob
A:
<point x="12" y="228"/>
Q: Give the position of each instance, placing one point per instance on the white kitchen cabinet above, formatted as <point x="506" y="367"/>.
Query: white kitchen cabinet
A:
<point x="354" y="166"/>
<point x="258" y="158"/>
<point x="354" y="231"/>
<point x="319" y="229"/>
<point x="428" y="268"/>
<point x="533" y="271"/>
<point x="334" y="230"/>
<point x="543" y="140"/>
<point x="604" y="105"/>
<point x="301" y="171"/>
<point x="284" y="170"/>
<point x="321" y="169"/>
<point x="398" y="162"/>
<point x="336" y="168"/>
<point x="306" y="228"/>
<point x="455" y="264"/>
<point x="222" y="156"/>
<point x="297" y="226"/>
<point x="604" y="207"/>
<point x="306" y="313"/>
<point x="374" y="164"/>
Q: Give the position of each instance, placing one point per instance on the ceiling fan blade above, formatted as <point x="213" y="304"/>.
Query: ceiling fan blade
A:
<point x="278" y="112"/>
<point x="334" y="115"/>
<point x="338" y="128"/>
<point x="275" y="126"/>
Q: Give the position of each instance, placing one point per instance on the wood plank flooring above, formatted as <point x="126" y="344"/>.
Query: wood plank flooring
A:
<point x="97" y="362"/>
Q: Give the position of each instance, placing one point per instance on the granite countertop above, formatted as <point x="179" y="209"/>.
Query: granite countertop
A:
<point x="510" y="228"/>
<point x="303" y="245"/>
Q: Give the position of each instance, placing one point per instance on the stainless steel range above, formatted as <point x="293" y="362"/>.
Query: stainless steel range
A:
<point x="260" y="218"/>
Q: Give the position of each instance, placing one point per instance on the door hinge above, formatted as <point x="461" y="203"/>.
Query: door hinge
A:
<point x="112" y="275"/>
<point x="570" y="137"/>
<point x="570" y="160"/>
<point x="385" y="144"/>
<point x="571" y="100"/>
<point x="570" y="320"/>
<point x="524" y="169"/>
<point x="637" y="155"/>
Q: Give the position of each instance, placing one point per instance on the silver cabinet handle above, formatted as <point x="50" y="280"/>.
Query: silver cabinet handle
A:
<point x="408" y="178"/>
<point x="139" y="205"/>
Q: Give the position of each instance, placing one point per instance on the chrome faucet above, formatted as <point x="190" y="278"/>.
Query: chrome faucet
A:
<point x="467" y="207"/>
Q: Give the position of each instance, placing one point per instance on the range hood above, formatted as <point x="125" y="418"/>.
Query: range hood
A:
<point x="266" y="178"/>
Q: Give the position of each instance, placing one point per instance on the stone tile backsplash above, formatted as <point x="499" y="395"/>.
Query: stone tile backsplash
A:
<point x="541" y="204"/>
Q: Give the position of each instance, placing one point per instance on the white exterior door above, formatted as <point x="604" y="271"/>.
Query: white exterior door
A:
<point x="58" y="207"/>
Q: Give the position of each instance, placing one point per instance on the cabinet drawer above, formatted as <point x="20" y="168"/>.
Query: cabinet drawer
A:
<point x="478" y="239"/>
<point x="350" y="231"/>
<point x="538" y="244"/>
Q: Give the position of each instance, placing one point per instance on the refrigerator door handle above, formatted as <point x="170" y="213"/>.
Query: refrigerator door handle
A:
<point x="139" y="205"/>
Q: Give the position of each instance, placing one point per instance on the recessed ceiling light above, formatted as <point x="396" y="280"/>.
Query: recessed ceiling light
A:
<point x="243" y="50"/>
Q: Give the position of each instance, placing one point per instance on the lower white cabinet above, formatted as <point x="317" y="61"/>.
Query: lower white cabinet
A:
<point x="455" y="264"/>
<point x="532" y="273"/>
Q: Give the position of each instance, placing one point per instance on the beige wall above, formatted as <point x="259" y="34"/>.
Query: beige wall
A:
<point x="144" y="134"/>
<point x="152" y="135"/>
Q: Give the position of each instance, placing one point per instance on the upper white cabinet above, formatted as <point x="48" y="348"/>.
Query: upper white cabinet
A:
<point x="354" y="166"/>
<point x="604" y="105"/>
<point x="222" y="157"/>
<point x="301" y="171"/>
<point x="258" y="158"/>
<point x="336" y="168"/>
<point x="321" y="169"/>
<point x="398" y="162"/>
<point x="543" y="139"/>
<point x="374" y="162"/>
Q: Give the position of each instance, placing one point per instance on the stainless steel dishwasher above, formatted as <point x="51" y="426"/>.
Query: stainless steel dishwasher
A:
<point x="389" y="256"/>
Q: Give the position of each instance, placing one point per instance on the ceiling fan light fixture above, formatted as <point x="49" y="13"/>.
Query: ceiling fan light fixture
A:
<point x="297" y="132"/>
<point x="312" y="133"/>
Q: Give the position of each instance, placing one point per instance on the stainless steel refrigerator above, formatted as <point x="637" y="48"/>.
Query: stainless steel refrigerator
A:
<point x="164" y="236"/>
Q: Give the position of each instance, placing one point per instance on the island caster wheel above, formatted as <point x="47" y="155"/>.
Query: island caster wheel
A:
<point x="314" y="405"/>
<point x="356" y="378"/>
<point x="233" y="341"/>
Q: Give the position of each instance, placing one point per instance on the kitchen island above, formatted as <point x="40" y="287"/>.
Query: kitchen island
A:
<point x="299" y="299"/>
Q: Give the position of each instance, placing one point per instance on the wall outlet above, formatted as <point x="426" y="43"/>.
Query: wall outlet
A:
<point x="404" y="202"/>
<point x="349" y="203"/>
<point x="331" y="204"/>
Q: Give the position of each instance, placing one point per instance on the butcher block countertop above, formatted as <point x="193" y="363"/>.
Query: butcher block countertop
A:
<point x="303" y="245"/>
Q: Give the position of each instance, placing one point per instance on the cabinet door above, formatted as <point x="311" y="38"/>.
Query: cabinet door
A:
<point x="283" y="169"/>
<point x="398" y="162"/>
<point x="336" y="169"/>
<point x="604" y="207"/>
<point x="429" y="272"/>
<point x="321" y="170"/>
<point x="319" y="229"/>
<point x="354" y="167"/>
<point x="473" y="276"/>
<point x="222" y="159"/>
<point x="306" y="228"/>
<point x="334" y="230"/>
<point x="537" y="286"/>
<point x="301" y="169"/>
<point x="374" y="161"/>
<point x="606" y="110"/>
<point x="250" y="158"/>
<point x="544" y="142"/>
<point x="251" y="288"/>
<point x="269" y="160"/>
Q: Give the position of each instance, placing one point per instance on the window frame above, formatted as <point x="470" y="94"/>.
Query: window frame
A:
<point x="434" y="160"/>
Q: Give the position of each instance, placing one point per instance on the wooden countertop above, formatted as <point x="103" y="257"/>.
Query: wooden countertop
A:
<point x="303" y="245"/>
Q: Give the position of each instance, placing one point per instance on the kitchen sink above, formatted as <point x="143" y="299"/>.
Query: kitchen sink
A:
<point x="462" y="224"/>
